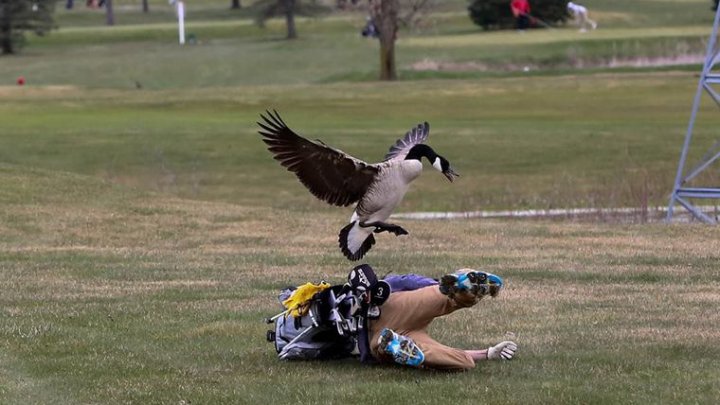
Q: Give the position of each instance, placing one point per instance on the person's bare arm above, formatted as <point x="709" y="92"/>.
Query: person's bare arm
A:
<point x="501" y="351"/>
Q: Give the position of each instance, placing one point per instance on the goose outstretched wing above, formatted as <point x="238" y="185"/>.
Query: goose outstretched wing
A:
<point x="330" y="174"/>
<point x="402" y="146"/>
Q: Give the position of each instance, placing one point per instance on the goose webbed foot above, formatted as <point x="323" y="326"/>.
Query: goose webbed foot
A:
<point x="396" y="229"/>
<point x="385" y="227"/>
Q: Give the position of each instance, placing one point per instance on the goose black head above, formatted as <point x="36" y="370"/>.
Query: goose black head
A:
<point x="438" y="162"/>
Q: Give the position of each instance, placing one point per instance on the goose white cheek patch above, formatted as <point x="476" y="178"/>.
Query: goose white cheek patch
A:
<point x="437" y="164"/>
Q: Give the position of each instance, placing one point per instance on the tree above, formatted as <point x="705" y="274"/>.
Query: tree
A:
<point x="550" y="11"/>
<point x="145" y="6"/>
<point x="413" y="12"/>
<point x="385" y="14"/>
<point x="19" y="16"/>
<point x="235" y="4"/>
<point x="109" y="13"/>
<point x="388" y="15"/>
<point x="289" y="8"/>
<point x="491" y="14"/>
<point x="267" y="9"/>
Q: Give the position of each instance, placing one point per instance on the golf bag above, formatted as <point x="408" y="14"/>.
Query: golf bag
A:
<point x="333" y="320"/>
<point x="322" y="333"/>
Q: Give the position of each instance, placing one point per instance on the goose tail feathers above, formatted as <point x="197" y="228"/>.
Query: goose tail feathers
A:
<point x="355" y="240"/>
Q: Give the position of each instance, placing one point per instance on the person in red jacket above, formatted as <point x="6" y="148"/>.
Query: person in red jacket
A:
<point x="521" y="11"/>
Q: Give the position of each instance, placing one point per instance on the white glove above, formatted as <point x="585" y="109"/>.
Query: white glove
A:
<point x="502" y="351"/>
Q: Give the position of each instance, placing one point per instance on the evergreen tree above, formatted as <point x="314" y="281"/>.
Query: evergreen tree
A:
<point x="550" y="11"/>
<point x="19" y="16"/>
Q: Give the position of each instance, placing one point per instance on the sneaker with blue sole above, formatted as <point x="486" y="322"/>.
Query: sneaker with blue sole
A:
<point x="478" y="283"/>
<point x="402" y="349"/>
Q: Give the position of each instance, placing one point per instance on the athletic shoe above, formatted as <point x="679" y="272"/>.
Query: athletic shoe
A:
<point x="475" y="282"/>
<point x="402" y="349"/>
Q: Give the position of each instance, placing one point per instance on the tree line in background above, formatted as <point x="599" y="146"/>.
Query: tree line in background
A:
<point x="385" y="15"/>
<point x="20" y="16"/>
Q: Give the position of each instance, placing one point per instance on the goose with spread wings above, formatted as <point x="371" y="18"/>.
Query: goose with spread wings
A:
<point x="340" y="179"/>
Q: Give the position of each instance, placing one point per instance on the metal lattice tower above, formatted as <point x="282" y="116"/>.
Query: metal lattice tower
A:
<point x="681" y="194"/>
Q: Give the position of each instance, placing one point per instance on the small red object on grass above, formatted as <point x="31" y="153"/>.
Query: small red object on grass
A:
<point x="21" y="80"/>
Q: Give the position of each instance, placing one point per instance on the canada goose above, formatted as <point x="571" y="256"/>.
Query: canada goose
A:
<point x="340" y="179"/>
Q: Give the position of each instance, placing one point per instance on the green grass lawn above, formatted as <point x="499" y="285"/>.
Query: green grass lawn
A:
<point x="603" y="140"/>
<point x="111" y="295"/>
<point x="145" y="231"/>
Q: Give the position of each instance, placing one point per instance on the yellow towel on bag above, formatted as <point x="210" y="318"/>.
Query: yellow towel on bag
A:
<point x="298" y="303"/>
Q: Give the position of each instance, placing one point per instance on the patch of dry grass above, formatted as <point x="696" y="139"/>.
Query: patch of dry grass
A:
<point x="121" y="296"/>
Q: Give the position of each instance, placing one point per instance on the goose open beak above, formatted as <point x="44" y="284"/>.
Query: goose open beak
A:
<point x="450" y="174"/>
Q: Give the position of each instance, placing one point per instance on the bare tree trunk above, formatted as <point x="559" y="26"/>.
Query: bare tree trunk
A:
<point x="385" y="14"/>
<point x="109" y="14"/>
<point x="235" y="4"/>
<point x="290" y="19"/>
<point x="146" y="7"/>
<point x="6" y="39"/>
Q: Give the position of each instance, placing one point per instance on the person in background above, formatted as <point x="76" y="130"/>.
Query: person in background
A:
<point x="521" y="11"/>
<point x="580" y="15"/>
<point x="370" y="30"/>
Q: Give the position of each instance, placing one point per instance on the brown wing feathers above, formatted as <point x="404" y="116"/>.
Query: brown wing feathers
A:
<point x="330" y="175"/>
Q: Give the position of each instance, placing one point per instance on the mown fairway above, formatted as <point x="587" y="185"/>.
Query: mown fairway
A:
<point x="111" y="295"/>
<point x="145" y="232"/>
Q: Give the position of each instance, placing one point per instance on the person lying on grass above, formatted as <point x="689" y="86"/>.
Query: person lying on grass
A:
<point x="386" y="321"/>
<point x="400" y="334"/>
